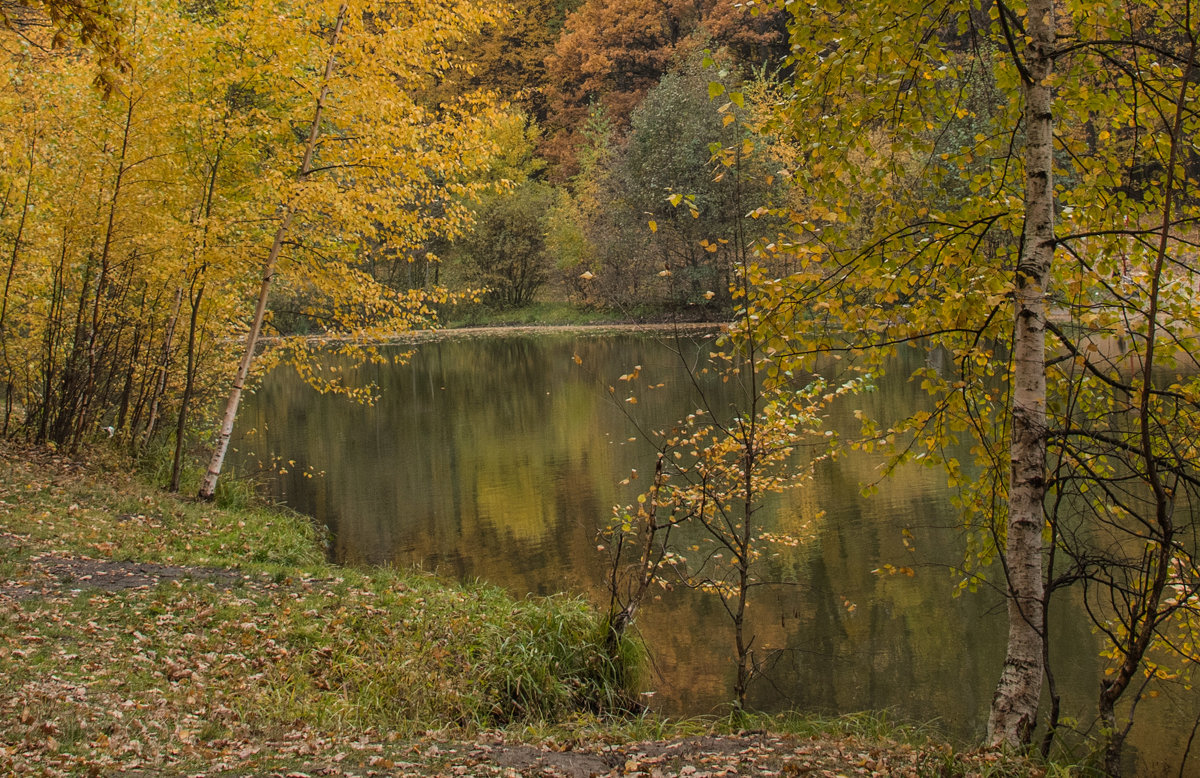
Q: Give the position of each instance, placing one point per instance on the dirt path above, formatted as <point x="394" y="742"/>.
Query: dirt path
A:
<point x="755" y="753"/>
<point x="52" y="574"/>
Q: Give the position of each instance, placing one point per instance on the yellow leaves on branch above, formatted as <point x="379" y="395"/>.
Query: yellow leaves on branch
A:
<point x="889" y="569"/>
<point x="197" y="156"/>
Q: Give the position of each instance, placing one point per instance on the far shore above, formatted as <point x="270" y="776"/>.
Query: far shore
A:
<point x="446" y="333"/>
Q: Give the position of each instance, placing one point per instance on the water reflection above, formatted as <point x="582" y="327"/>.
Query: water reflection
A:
<point x="497" y="458"/>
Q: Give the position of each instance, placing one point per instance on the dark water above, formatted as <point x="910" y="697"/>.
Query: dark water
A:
<point x="497" y="458"/>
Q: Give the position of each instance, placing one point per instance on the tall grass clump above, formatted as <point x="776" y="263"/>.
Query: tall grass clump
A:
<point x="405" y="653"/>
<point x="546" y="658"/>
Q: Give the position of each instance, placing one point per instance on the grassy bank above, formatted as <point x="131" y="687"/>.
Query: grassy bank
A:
<point x="546" y="313"/>
<point x="138" y="628"/>
<point x="149" y="635"/>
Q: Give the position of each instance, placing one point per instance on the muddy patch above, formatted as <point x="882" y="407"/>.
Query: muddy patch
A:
<point x="50" y="574"/>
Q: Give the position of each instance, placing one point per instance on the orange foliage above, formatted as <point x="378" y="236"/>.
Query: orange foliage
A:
<point x="612" y="52"/>
<point x="509" y="57"/>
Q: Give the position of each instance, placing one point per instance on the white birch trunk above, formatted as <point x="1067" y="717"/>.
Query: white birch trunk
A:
<point x="209" y="487"/>
<point x="1015" y="704"/>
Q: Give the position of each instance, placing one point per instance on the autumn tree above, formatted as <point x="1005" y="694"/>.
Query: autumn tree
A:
<point x="755" y="35"/>
<point x="374" y="161"/>
<point x="700" y="524"/>
<point x="1122" y="421"/>
<point x="53" y="23"/>
<point x="88" y="271"/>
<point x="1070" y="217"/>
<point x="508" y="57"/>
<point x="670" y="203"/>
<point x="507" y="251"/>
<point x="612" y="52"/>
<point x="145" y="215"/>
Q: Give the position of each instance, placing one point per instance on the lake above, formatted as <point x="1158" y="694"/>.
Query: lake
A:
<point x="499" y="457"/>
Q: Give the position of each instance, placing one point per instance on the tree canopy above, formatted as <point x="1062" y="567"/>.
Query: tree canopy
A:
<point x="131" y="215"/>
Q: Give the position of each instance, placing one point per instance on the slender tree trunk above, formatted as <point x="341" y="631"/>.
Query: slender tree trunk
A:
<point x="196" y="289"/>
<point x="93" y="357"/>
<point x="148" y="379"/>
<point x="1015" y="704"/>
<point x="54" y="325"/>
<point x="131" y="370"/>
<point x="619" y="618"/>
<point x="1054" y="715"/>
<point x="1147" y="611"/>
<point x="66" y="404"/>
<point x="745" y="538"/>
<point x="12" y="269"/>
<point x="209" y="487"/>
<point x="745" y="664"/>
<point x="189" y="386"/>
<point x="163" y="368"/>
<point x="750" y="461"/>
<point x="139" y="366"/>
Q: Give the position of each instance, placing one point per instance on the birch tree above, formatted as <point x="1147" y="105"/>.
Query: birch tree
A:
<point x="377" y="165"/>
<point x="135" y="227"/>
<point x="1015" y="705"/>
<point x="1006" y="184"/>
<point x="208" y="488"/>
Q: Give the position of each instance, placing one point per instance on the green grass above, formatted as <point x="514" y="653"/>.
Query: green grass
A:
<point x="167" y="674"/>
<point x="105" y="511"/>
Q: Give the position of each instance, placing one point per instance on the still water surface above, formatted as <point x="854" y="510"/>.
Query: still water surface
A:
<point x="497" y="458"/>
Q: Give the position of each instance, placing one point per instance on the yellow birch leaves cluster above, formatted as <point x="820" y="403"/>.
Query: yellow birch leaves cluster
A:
<point x="133" y="224"/>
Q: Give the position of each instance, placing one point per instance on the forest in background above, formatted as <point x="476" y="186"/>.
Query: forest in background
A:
<point x="616" y="116"/>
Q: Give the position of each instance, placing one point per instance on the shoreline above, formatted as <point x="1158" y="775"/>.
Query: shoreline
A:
<point x="505" y="330"/>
